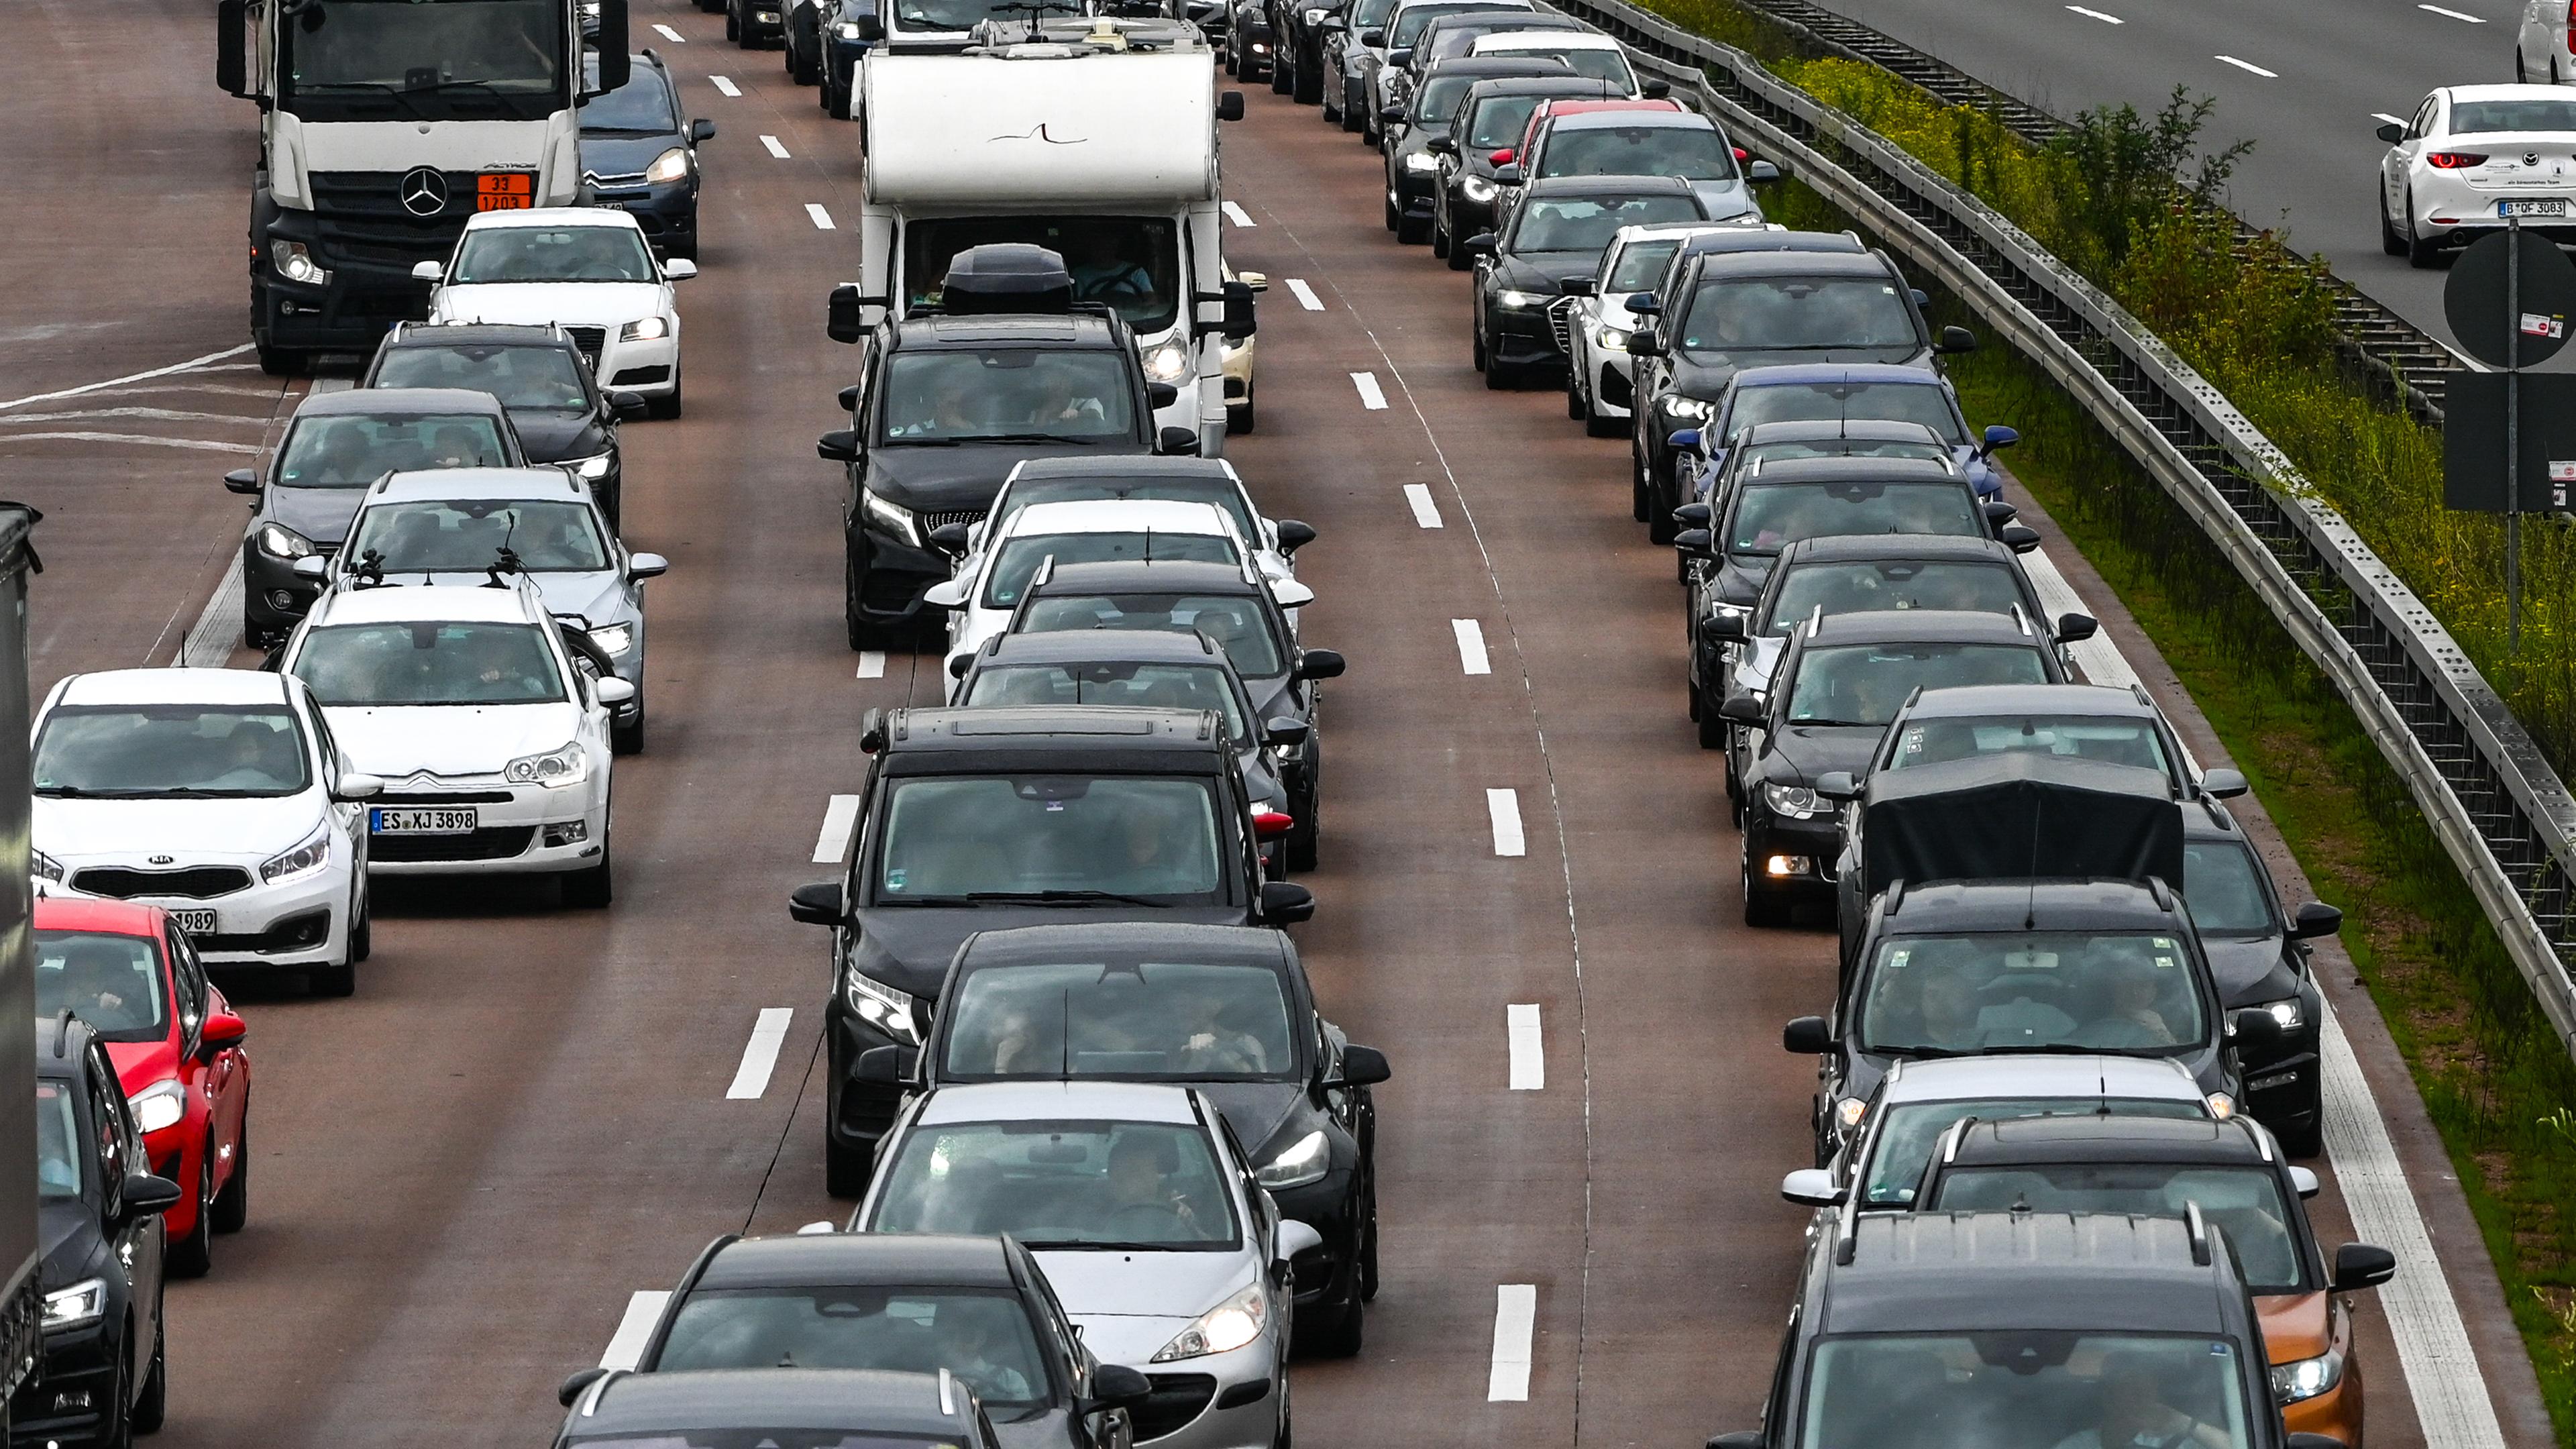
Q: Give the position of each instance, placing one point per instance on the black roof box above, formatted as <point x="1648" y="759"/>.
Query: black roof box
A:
<point x="1006" y="277"/>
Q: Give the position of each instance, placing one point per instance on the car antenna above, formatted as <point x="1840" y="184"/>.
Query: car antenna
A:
<point x="504" y="560"/>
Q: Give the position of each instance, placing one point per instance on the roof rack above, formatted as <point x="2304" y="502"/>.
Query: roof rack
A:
<point x="590" y="1403"/>
<point x="2020" y="620"/>
<point x="2194" y="1225"/>
<point x="63" y="1033"/>
<point x="947" y="1393"/>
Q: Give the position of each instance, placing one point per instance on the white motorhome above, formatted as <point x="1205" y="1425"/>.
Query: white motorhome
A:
<point x="1108" y="158"/>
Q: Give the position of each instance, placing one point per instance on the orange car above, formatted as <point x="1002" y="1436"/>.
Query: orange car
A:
<point x="2235" y="1174"/>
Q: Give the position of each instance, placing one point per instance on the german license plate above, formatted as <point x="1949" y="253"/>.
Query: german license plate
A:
<point x="2533" y="206"/>
<point x="504" y="191"/>
<point x="196" y="922"/>
<point x="422" y="822"/>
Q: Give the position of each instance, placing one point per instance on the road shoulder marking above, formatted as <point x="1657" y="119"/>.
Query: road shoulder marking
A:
<point x="725" y="84"/>
<point x="839" y="819"/>
<point x="643" y="1310"/>
<point x="1238" y="216"/>
<point x="667" y="33"/>
<point x="760" y="1054"/>
<point x="822" y="219"/>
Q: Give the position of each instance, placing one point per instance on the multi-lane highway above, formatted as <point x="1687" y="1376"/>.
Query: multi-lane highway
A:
<point x="464" y="1174"/>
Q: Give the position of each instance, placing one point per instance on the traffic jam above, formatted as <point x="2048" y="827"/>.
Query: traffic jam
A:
<point x="2067" y="1064"/>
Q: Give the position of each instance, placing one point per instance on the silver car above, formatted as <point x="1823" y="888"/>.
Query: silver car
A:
<point x="457" y="525"/>
<point x="1146" y="1220"/>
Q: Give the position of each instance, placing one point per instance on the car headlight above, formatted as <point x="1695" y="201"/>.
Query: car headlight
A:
<point x="894" y="518"/>
<point x="671" y="165"/>
<point x="160" y="1105"/>
<point x="278" y="541"/>
<point x="615" y="639"/>
<point x="555" y="769"/>
<point x="594" y="467"/>
<point x="46" y="867"/>
<point x="1795" y="801"/>
<point x="1421" y="161"/>
<point x="1511" y="298"/>
<point x="1303" y="1162"/>
<point x="294" y="261"/>
<point x="78" y="1306"/>
<point x="1684" y="407"/>
<point x="1613" y="339"/>
<point x="1478" y="189"/>
<point x="1167" y="362"/>
<point x="2306" y="1378"/>
<point x="644" y="329"/>
<point x="310" y="854"/>
<point x="880" y="1006"/>
<point x="1222" y="1329"/>
<point x="2285" y="1012"/>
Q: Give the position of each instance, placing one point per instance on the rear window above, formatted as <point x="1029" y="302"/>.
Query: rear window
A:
<point x="2516" y="115"/>
<point x="1642" y="265"/>
<point x="1499" y="121"/>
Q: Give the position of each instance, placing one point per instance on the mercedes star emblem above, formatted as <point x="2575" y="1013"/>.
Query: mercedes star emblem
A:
<point x="423" y="191"/>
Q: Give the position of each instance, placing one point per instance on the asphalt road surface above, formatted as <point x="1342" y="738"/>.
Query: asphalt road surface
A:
<point x="464" y="1174"/>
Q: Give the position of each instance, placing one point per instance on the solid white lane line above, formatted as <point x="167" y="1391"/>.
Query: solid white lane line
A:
<point x="1235" y="214"/>
<point x="839" y="819"/>
<point x="1529" y="1063"/>
<point x="726" y="85"/>
<point x="760" y="1054"/>
<point x="1425" y="512"/>
<point x="193" y="362"/>
<point x="822" y="219"/>
<point x="643" y="1310"/>
<point x="1306" y="297"/>
<point x="2454" y="14"/>
<point x="667" y="33"/>
<point x="1471" y="646"/>
<point x="2097" y="15"/>
<point x="774" y="149"/>
<point x="1515" y="1322"/>
<point x="201" y="445"/>
<point x="2247" y="65"/>
<point x="1505" y="808"/>
<point x="872" y="664"/>
<point x="1372" y="396"/>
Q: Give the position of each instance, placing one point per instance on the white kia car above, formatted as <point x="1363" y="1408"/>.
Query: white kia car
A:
<point x="989" y="582"/>
<point x="217" y="795"/>
<point x="489" y="732"/>
<point x="586" y="269"/>
<point x="2469" y="157"/>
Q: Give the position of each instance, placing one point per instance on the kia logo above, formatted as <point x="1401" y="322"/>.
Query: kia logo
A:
<point x="423" y="191"/>
<point x="163" y="860"/>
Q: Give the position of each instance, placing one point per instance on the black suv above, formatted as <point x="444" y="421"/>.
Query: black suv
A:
<point x="336" y="444"/>
<point x="541" y="375"/>
<point x="102" y="1379"/>
<point x="981" y="819"/>
<point x="2259" y="953"/>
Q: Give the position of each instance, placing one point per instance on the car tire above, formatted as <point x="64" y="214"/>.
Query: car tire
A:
<point x="281" y="361"/>
<point x="1661" y="527"/>
<point x="1412" y="231"/>
<point x="1597" y="426"/>
<point x="733" y="26"/>
<point x="1332" y="112"/>
<point x="1574" y="406"/>
<point x="594" y="887"/>
<point x="1439" y="232"/>
<point x="232" y="1202"/>
<point x="840" y="102"/>
<point x="362" y="924"/>
<point x="116" y="1426"/>
<point x="1305" y="85"/>
<point x="1242" y="419"/>
<point x="2421" y="253"/>
<point x="626" y="736"/>
<point x="333" y="981"/>
<point x="1280" y="78"/>
<point x="152" y="1405"/>
<point x="1394" y="219"/>
<point x="1344" y="1334"/>
<point x="845" y="1169"/>
<point x="1368" y="1246"/>
<point x="1761" y="907"/>
<point x="807" y="72"/>
<point x="1712" y="725"/>
<point x="667" y="408"/>
<point x="2389" y="241"/>
<point x="1232" y="66"/>
<point x="1476" y="340"/>
<point x="194" y="1255"/>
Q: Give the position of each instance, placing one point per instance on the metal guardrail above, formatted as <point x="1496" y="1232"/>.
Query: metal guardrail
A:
<point x="2500" y="811"/>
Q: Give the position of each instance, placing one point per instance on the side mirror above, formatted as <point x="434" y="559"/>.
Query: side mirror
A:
<point x="2361" y="1265"/>
<point x="355" y="787"/>
<point x="2020" y="538"/>
<point x="613" y="691"/>
<point x="1116" y="1386"/>
<point x="890" y="1066"/>
<point x="1578" y="287"/>
<point x="818" y="903"/>
<point x="871" y="27"/>
<point x="628" y="406"/>
<point x="642" y="566"/>
<point x="1294" y="1238"/>
<point x="1268" y="824"/>
<point x="1374" y="39"/>
<point x="1283" y="904"/>
<point x="946" y="594"/>
<point x="1998" y="438"/>
<point x="1999" y="513"/>
<point x="679" y="269"/>
<point x="848" y="397"/>
<point x="1364" y="1067"/>
<point x="1806" y="1036"/>
<point x="145" y="1195"/>
<point x="702" y="130"/>
<point x="1241" y="321"/>
<point x="1178" y="443"/>
<point x="1502" y="157"/>
<point x="1837" y="785"/>
<point x="242" y="480"/>
<point x="1290" y="594"/>
<point x="1441" y="146"/>
<point x="1812" y="1187"/>
<point x="1693" y="515"/>
<point x="958" y="666"/>
<point x="1956" y="339"/>
<point x="1740" y="1439"/>
<point x="1683" y="440"/>
<point x="1645" y="342"/>
<point x="2390" y="132"/>
<point x="2255" y="1027"/>
<point x="2076" y="628"/>
<point x="1399" y="57"/>
<point x="2222" y="784"/>
<point x="1727" y="624"/>
<point x="232" y="38"/>
<point x="311" y="566"/>
<point x="1760" y="171"/>
<point x="1921" y="298"/>
<point x="429" y="272"/>
<point x="575" y="1382"/>
<point x="222" y="1029"/>
<point x="953" y="537"/>
<point x="1507" y="175"/>
<point x="1643" y="304"/>
<point x="1294" y="535"/>
<point x="1394" y="115"/>
<point x="2314" y="919"/>
<point x="1285" y="732"/>
<point x="841" y="445"/>
<point x="1320" y="664"/>
<point x="2303" y="1181"/>
<point x="1479" y="245"/>
<point x="1229" y="106"/>
<point x="1696" y="542"/>
<point x="1741" y="708"/>
<point x="1160" y="395"/>
<point x="1654" y="90"/>
<point x="1254" y="281"/>
<point x="843" y="317"/>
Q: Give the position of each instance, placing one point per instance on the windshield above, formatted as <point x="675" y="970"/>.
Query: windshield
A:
<point x="1499" y="121"/>
<point x="2107" y="991"/>
<point x="2223" y="886"/>
<point x="1907" y="1134"/>
<point x="1368" y="14"/>
<point x="983" y="1338"/>
<point x="1852" y="588"/>
<point x="2029" y="1388"/>
<point x="967" y="14"/>
<point x="1000" y="394"/>
<point x="1017" y="560"/>
<point x="1865" y="684"/>
<point x="58" y="1163"/>
<point x="1641" y="266"/>
<point x="1587" y="223"/>
<point x="420" y="662"/>
<point x="112" y="982"/>
<point x="756" y="1439"/>
<point x="954" y="837"/>
<point x="1589" y="62"/>
<point x="1771" y="516"/>
<point x="143" y="750"/>
<point x="548" y="536"/>
<point x="352" y="452"/>
<point x="643" y="104"/>
<point x="1151" y="1020"/>
<point x="1694" y="153"/>
<point x="1416" y="19"/>
<point x="423" y="60"/>
<point x="521" y="377"/>
<point x="1748" y="454"/>
<point x="1150" y="686"/>
<point x="2246" y="1201"/>
<point x="2109" y="738"/>
<point x="1793" y="314"/>
<point x="1060" y="1185"/>
<point x="1236" y="623"/>
<point x="2513" y="115"/>
<point x="552" y="254"/>
<point x="1029" y="492"/>
<point x="1439" y="97"/>
<point x="1129" y="263"/>
<point x="1926" y="402"/>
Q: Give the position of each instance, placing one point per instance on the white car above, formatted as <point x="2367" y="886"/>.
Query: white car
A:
<point x="1592" y="55"/>
<point x="490" y="736"/>
<point x="2469" y="154"/>
<point x="989" y="582"/>
<point x="586" y="269"/>
<point x="1602" y="377"/>
<point x="1176" y="479"/>
<point x="2545" y="50"/>
<point x="217" y="795"/>
<point x="1144" y="1217"/>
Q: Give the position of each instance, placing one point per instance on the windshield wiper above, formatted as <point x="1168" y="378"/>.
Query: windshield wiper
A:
<point x="950" y="901"/>
<point x="1025" y="438"/>
<point x="1105" y="1245"/>
<point x="1105" y="897"/>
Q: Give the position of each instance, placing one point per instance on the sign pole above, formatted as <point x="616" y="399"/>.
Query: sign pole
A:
<point x="2513" y="436"/>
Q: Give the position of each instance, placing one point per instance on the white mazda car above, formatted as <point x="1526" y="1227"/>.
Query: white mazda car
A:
<point x="490" y="734"/>
<point x="585" y="269"/>
<point x="989" y="583"/>
<point x="217" y="795"/>
<point x="2470" y="156"/>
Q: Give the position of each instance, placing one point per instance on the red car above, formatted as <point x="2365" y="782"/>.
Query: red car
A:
<point x="131" y="975"/>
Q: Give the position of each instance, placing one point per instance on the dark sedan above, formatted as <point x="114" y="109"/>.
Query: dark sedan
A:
<point x="1343" y="54"/>
<point x="543" y="379"/>
<point x="1490" y="118"/>
<point x="2259" y="954"/>
<point x="1414" y="132"/>
<point x="1553" y="235"/>
<point x="639" y="151"/>
<point x="777" y="1406"/>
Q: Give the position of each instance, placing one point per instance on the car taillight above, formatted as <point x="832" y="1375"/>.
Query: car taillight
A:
<point x="1272" y="824"/>
<point x="2454" y="160"/>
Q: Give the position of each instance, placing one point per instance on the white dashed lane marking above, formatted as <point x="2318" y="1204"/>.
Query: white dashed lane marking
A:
<point x="872" y="664"/>
<point x="1471" y="646"/>
<point x="1529" y="1062"/>
<point x="725" y="85"/>
<point x="643" y="1310"/>
<point x="2097" y="15"/>
<point x="2454" y="14"/>
<point x="1515" y="1321"/>
<point x="1306" y="297"/>
<point x="1235" y="214"/>
<point x="770" y="143"/>
<point x="1372" y="396"/>
<point x="1418" y="498"/>
<point x="1505" y="808"/>
<point x="760" y="1054"/>
<point x="839" y="819"/>
<point x="2247" y="66"/>
<point x="673" y="36"/>
<point x="822" y="218"/>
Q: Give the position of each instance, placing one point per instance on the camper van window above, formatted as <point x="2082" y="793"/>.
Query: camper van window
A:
<point x="956" y="14"/>
<point x="1131" y="263"/>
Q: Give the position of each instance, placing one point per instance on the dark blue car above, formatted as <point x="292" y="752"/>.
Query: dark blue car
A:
<point x="640" y="152"/>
